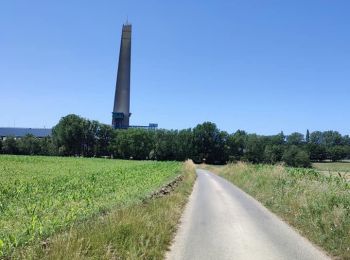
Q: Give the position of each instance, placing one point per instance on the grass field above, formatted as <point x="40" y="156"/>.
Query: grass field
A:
<point x="334" y="169"/>
<point x="40" y="196"/>
<point x="332" y="166"/>
<point x="317" y="205"/>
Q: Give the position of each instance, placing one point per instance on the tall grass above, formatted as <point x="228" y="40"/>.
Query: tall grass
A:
<point x="317" y="205"/>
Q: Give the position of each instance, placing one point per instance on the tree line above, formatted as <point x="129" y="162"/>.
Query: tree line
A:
<point x="77" y="136"/>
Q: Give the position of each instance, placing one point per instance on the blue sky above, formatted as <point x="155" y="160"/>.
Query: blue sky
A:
<point x="261" y="66"/>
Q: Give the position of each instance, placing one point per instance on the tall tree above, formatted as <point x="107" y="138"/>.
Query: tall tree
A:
<point x="295" y="139"/>
<point x="336" y="153"/>
<point x="236" y="144"/>
<point x="332" y="138"/>
<point x="296" y="157"/>
<point x="307" y="136"/>
<point x="254" y="149"/>
<point x="104" y="138"/>
<point x="133" y="144"/>
<point x="165" y="145"/>
<point x="29" y="145"/>
<point x="69" y="135"/>
<point x="10" y="145"/>
<point x="47" y="147"/>
<point x="273" y="153"/>
<point x="318" y="152"/>
<point x="209" y="143"/>
<point x="316" y="137"/>
<point x="184" y="144"/>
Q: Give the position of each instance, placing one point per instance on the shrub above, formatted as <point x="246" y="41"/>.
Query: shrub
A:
<point x="296" y="157"/>
<point x="336" y="153"/>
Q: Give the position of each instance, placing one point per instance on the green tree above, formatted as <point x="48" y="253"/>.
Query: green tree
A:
<point x="236" y="145"/>
<point x="209" y="143"/>
<point x="165" y="145"/>
<point x="332" y="138"/>
<point x="133" y="143"/>
<point x="69" y="135"/>
<point x="295" y="139"/>
<point x="47" y="147"/>
<point x="89" y="141"/>
<point x="273" y="153"/>
<point x="278" y="139"/>
<point x="307" y="136"/>
<point x="347" y="151"/>
<point x="316" y="138"/>
<point x="29" y="145"/>
<point x="104" y="139"/>
<point x="10" y="145"/>
<point x="184" y="144"/>
<point x="296" y="157"/>
<point x="254" y="149"/>
<point x="318" y="152"/>
<point x="336" y="153"/>
<point x="346" y="140"/>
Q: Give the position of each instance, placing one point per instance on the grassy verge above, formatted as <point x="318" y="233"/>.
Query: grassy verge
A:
<point x="139" y="231"/>
<point x="317" y="205"/>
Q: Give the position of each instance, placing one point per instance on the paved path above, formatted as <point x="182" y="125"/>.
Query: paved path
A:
<point x="222" y="222"/>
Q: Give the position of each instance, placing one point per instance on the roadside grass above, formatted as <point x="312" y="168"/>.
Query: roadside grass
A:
<point x="317" y="205"/>
<point x="139" y="231"/>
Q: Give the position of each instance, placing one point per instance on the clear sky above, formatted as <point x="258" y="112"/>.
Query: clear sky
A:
<point x="261" y="66"/>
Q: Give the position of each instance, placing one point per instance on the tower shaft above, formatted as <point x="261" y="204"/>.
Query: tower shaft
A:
<point x="121" y="108"/>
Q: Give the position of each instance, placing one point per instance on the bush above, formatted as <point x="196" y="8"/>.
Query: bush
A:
<point x="317" y="152"/>
<point x="336" y="153"/>
<point x="29" y="145"/>
<point x="273" y="153"/>
<point x="10" y="146"/>
<point x="296" y="157"/>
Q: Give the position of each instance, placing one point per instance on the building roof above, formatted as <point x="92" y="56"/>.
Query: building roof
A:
<point x="21" y="132"/>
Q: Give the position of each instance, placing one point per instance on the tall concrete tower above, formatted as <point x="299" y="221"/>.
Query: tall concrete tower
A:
<point x="121" y="108"/>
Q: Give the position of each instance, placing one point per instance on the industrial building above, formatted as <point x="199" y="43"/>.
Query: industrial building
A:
<point x="18" y="132"/>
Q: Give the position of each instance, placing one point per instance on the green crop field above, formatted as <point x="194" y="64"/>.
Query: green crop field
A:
<point x="42" y="195"/>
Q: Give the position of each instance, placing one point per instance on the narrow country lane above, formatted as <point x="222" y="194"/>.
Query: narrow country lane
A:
<point x="222" y="222"/>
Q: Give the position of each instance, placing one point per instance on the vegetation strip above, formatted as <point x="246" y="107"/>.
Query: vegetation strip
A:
<point x="40" y="196"/>
<point x="317" y="205"/>
<point x="74" y="135"/>
<point x="139" y="231"/>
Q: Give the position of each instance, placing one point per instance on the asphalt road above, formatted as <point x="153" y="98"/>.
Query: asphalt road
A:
<point x="222" y="222"/>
